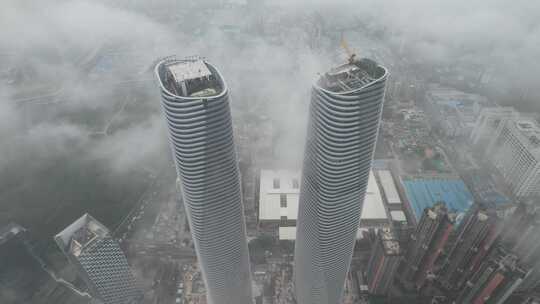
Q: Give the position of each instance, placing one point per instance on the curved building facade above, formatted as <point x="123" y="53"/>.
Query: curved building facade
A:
<point x="195" y="102"/>
<point x="345" y="112"/>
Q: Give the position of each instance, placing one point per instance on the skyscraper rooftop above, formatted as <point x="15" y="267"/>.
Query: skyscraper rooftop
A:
<point x="81" y="234"/>
<point x="351" y="76"/>
<point x="389" y="242"/>
<point x="530" y="130"/>
<point x="99" y="261"/>
<point x="190" y="78"/>
<point x="344" y="116"/>
<point x="195" y="103"/>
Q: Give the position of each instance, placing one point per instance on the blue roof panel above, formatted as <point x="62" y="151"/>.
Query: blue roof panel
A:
<point x="423" y="193"/>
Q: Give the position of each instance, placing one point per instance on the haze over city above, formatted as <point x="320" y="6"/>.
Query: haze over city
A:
<point x="385" y="151"/>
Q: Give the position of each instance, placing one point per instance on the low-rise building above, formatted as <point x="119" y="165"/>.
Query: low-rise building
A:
<point x="389" y="189"/>
<point x="425" y="191"/>
<point x="455" y="112"/>
<point x="279" y="192"/>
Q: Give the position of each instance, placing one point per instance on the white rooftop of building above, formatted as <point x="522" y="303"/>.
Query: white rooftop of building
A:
<point x="373" y="207"/>
<point x="398" y="215"/>
<point x="389" y="187"/>
<point x="189" y="69"/>
<point x="287" y="233"/>
<point x="74" y="238"/>
<point x="276" y="185"/>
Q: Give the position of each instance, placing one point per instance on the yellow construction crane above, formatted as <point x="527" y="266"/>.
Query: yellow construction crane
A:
<point x="350" y="54"/>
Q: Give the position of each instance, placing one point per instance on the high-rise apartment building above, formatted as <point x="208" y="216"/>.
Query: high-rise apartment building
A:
<point x="383" y="263"/>
<point x="521" y="234"/>
<point x="514" y="144"/>
<point x="489" y="119"/>
<point x="99" y="261"/>
<point x="516" y="155"/>
<point x="475" y="236"/>
<point x="195" y="102"/>
<point x="425" y="245"/>
<point x="531" y="300"/>
<point x="345" y="112"/>
<point x="495" y="280"/>
<point x="516" y="224"/>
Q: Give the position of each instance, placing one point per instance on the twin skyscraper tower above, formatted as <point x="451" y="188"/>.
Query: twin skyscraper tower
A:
<point x="344" y="117"/>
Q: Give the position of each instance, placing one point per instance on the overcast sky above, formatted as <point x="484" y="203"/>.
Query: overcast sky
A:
<point x="501" y="35"/>
<point x="50" y="39"/>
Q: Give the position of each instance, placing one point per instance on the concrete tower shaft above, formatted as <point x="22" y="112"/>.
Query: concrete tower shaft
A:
<point x="195" y="102"/>
<point x="344" y="117"/>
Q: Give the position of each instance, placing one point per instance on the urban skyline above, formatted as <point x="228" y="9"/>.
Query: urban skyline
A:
<point x="256" y="174"/>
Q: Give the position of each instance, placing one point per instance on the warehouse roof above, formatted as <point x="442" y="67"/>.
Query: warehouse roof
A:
<point x="426" y="192"/>
<point x="279" y="192"/>
<point x="287" y="233"/>
<point x="373" y="207"/>
<point x="398" y="215"/>
<point x="389" y="187"/>
<point x="276" y="183"/>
